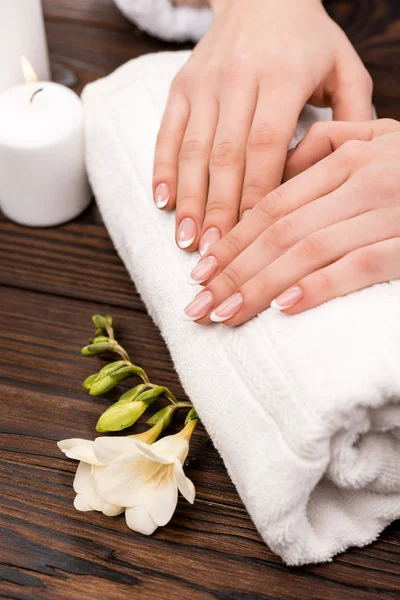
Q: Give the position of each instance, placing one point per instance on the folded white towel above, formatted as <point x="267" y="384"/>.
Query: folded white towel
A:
<point x="304" y="410"/>
<point x="167" y="21"/>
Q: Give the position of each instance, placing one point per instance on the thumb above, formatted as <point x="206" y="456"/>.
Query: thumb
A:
<point x="324" y="137"/>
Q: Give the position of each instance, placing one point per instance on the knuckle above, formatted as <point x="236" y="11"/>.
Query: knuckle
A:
<point x="182" y="80"/>
<point x="263" y="135"/>
<point x="192" y="149"/>
<point x="323" y="284"/>
<point x="351" y="150"/>
<point x="233" y="243"/>
<point x="319" y="129"/>
<point x="368" y="262"/>
<point x="263" y="284"/>
<point x="219" y="206"/>
<point x="225" y="154"/>
<point x="312" y="247"/>
<point x="272" y="205"/>
<point x="281" y="234"/>
<point x="231" y="277"/>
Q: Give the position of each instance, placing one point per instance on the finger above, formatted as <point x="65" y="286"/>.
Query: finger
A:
<point x="227" y="163"/>
<point x="352" y="96"/>
<point x="284" y="234"/>
<point x="322" y="179"/>
<point x="366" y="266"/>
<point x="312" y="253"/>
<point x="273" y="126"/>
<point x="193" y="170"/>
<point x="325" y="137"/>
<point x="169" y="140"/>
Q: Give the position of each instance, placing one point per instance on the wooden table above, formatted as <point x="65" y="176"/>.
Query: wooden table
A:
<point x="53" y="280"/>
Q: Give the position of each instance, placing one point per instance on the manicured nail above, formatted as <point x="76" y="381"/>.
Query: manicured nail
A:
<point x="210" y="237"/>
<point x="227" y="309"/>
<point x="203" y="270"/>
<point x="288" y="299"/>
<point x="246" y="212"/>
<point x="161" y="195"/>
<point x="186" y="232"/>
<point x="200" y="306"/>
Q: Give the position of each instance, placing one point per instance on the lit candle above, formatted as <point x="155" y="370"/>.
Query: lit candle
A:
<point x="43" y="180"/>
<point x="21" y="32"/>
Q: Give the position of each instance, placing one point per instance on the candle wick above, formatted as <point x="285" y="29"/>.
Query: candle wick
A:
<point x="34" y="94"/>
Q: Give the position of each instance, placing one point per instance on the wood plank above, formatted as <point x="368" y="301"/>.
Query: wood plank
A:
<point x="210" y="550"/>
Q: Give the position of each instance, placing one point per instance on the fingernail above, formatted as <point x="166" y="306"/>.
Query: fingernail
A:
<point x="161" y="195"/>
<point x="186" y="232"/>
<point x="288" y="299"/>
<point x="246" y="212"/>
<point x="210" y="237"/>
<point x="227" y="309"/>
<point x="203" y="270"/>
<point x="200" y="306"/>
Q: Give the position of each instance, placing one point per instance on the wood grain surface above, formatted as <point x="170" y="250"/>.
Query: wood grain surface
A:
<point x="52" y="281"/>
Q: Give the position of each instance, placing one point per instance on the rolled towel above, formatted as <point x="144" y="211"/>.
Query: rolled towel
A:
<point x="304" y="410"/>
<point x="166" y="20"/>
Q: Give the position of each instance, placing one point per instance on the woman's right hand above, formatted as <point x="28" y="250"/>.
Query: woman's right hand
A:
<point x="234" y="106"/>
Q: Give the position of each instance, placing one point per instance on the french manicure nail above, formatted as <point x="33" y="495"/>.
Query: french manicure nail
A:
<point x="186" y="233"/>
<point x="203" y="270"/>
<point x="288" y="299"/>
<point x="210" y="237"/>
<point x="245" y="213"/>
<point x="200" y="306"/>
<point x="227" y="309"/>
<point x="161" y="195"/>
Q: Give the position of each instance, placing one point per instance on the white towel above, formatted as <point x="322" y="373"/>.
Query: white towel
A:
<point x="304" y="410"/>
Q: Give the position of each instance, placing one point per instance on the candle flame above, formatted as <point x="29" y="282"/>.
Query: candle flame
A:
<point x="28" y="71"/>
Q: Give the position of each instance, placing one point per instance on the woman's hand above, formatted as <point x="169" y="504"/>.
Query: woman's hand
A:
<point x="233" y="109"/>
<point x="332" y="228"/>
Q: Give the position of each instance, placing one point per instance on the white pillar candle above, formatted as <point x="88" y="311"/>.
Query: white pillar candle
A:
<point x="21" y="33"/>
<point x="43" y="179"/>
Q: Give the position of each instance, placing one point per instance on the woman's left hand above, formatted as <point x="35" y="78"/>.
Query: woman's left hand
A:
<point x="332" y="228"/>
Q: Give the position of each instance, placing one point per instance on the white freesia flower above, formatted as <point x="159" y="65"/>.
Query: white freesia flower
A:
<point x="146" y="481"/>
<point x="132" y="474"/>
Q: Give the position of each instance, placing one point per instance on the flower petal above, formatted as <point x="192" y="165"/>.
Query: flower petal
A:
<point x="111" y="510"/>
<point x="78" y="449"/>
<point x="121" y="484"/>
<point x="107" y="449"/>
<point x="185" y="485"/>
<point x="81" y="502"/>
<point x="147" y="451"/>
<point x="83" y="478"/>
<point x="170" y="447"/>
<point x="138" y="519"/>
<point x="161" y="499"/>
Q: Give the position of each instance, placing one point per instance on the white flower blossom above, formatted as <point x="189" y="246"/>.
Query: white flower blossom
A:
<point x="127" y="473"/>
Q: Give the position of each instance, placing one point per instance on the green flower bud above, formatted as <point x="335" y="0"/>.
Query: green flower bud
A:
<point x="132" y="394"/>
<point x="97" y="348"/>
<point x="163" y="416"/>
<point x="150" y="395"/>
<point x="110" y="368"/>
<point x="100" y="322"/>
<point x="109" y="320"/>
<point x="120" y="415"/>
<point x="87" y="384"/>
<point x="108" y="382"/>
<point x="107" y="370"/>
<point x="191" y="416"/>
